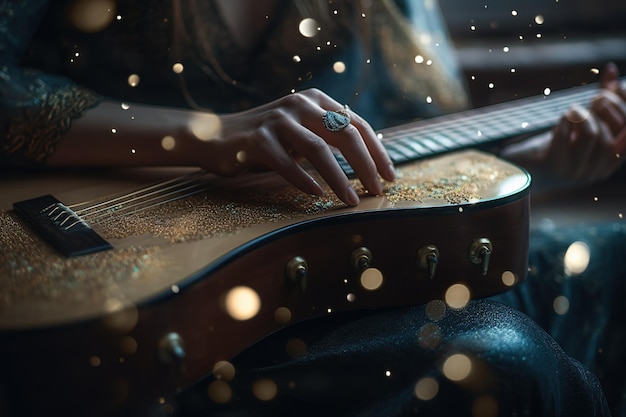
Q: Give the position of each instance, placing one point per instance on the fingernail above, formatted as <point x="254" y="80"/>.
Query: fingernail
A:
<point x="352" y="197"/>
<point x="316" y="189"/>
<point x="390" y="172"/>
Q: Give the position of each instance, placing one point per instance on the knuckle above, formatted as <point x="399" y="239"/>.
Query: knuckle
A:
<point x="274" y="115"/>
<point x="294" y="100"/>
<point x="314" y="146"/>
<point x="314" y="93"/>
<point x="351" y="136"/>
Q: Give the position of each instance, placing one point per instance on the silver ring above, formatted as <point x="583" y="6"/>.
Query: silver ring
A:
<point x="336" y="120"/>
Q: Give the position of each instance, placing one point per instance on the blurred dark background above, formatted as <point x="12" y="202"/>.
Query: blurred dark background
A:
<point x="551" y="43"/>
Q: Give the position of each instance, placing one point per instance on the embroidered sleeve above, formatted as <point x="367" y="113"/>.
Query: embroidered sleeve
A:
<point x="36" y="109"/>
<point x="38" y="118"/>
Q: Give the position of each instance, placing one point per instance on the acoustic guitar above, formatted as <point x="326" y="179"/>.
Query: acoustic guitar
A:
<point x="120" y="288"/>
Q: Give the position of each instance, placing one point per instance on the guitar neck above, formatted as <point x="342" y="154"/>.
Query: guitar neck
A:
<point x="478" y="127"/>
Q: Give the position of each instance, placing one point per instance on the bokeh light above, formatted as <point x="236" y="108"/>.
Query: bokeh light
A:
<point x="224" y="370"/>
<point x="457" y="367"/>
<point x="205" y="126"/>
<point x="371" y="279"/>
<point x="426" y="388"/>
<point x="457" y="296"/>
<point x="308" y="27"/>
<point x="242" y="303"/>
<point x="220" y="392"/>
<point x="485" y="406"/>
<point x="508" y="278"/>
<point x="168" y="143"/>
<point x="265" y="389"/>
<point x="576" y="258"/>
<point x="561" y="305"/>
<point x="91" y="16"/>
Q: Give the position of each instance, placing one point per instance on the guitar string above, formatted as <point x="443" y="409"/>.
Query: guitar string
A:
<point x="111" y="198"/>
<point x="144" y="204"/>
<point x="169" y="190"/>
<point x="166" y="191"/>
<point x="483" y="119"/>
<point x="404" y="144"/>
<point x="136" y="209"/>
<point x="111" y="204"/>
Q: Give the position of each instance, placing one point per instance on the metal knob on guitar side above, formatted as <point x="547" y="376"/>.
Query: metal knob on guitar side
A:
<point x="297" y="271"/>
<point x="361" y="259"/>
<point x="480" y="253"/>
<point x="428" y="258"/>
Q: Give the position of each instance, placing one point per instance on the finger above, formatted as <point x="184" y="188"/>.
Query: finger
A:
<point x="619" y="144"/>
<point x="376" y="149"/>
<point x="609" y="77"/>
<point x="350" y="142"/>
<point x="269" y="153"/>
<point x="584" y="136"/>
<point x="610" y="80"/>
<point x="316" y="151"/>
<point x="561" y="134"/>
<point x="601" y="160"/>
<point x="379" y="155"/>
<point x="611" y="110"/>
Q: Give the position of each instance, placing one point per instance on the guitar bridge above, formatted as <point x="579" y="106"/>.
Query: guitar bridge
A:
<point x="60" y="226"/>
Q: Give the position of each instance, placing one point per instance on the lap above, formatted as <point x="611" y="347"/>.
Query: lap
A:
<point x="426" y="359"/>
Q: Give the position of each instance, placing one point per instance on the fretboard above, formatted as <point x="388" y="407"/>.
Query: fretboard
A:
<point x="479" y="127"/>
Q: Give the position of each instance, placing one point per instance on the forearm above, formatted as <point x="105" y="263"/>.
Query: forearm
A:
<point x="116" y="134"/>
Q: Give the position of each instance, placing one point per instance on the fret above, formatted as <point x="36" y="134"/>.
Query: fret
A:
<point x="479" y="126"/>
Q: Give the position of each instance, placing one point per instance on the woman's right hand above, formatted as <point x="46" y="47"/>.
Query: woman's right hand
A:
<point x="277" y="135"/>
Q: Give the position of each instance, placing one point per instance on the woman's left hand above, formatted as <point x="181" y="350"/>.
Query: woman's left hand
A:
<point x="586" y="145"/>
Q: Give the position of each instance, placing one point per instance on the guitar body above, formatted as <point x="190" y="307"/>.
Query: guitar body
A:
<point x="194" y="281"/>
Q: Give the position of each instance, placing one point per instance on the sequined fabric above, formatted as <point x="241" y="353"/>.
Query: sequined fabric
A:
<point x="36" y="129"/>
<point x="379" y="364"/>
<point x="583" y="311"/>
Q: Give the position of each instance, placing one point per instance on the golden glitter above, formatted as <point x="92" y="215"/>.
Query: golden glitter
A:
<point x="39" y="278"/>
<point x="455" y="185"/>
<point x="34" y="271"/>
